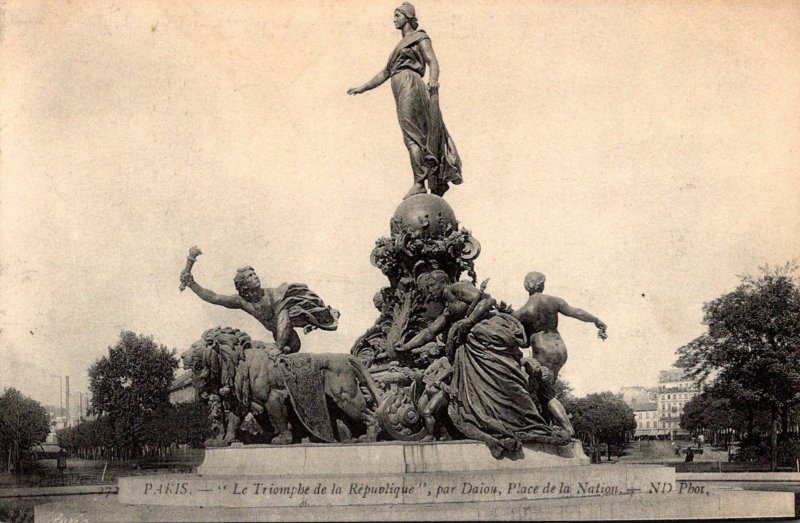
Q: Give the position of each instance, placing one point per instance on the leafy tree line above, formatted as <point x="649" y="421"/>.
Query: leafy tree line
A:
<point x="749" y="359"/>
<point x="23" y="423"/>
<point x="130" y="397"/>
<point x="598" y="418"/>
<point x="601" y="418"/>
<point x="161" y="433"/>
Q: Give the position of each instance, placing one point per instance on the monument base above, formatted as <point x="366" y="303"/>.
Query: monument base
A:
<point x="421" y="481"/>
<point x="390" y="457"/>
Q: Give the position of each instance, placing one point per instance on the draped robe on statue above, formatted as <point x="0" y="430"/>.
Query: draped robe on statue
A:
<point x="420" y="118"/>
<point x="306" y="309"/>
<point x="490" y="400"/>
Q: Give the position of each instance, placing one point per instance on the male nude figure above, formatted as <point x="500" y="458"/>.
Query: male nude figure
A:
<point x="280" y="310"/>
<point x="539" y="317"/>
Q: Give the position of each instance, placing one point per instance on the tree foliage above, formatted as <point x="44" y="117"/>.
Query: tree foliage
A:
<point x="186" y="423"/>
<point x="751" y="349"/>
<point x="130" y="384"/>
<point x="23" y="423"/>
<point x="753" y="340"/>
<point x="714" y="411"/>
<point x="602" y="417"/>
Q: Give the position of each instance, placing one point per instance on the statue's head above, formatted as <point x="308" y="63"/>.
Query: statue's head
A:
<point x="405" y="14"/>
<point x="194" y="361"/>
<point x="248" y="285"/>
<point x="203" y="360"/>
<point x="433" y="283"/>
<point x="378" y="300"/>
<point x="192" y="356"/>
<point x="534" y="282"/>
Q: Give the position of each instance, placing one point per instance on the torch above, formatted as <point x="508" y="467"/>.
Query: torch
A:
<point x="194" y="252"/>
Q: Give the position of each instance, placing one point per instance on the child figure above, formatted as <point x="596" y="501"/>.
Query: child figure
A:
<point x="434" y="398"/>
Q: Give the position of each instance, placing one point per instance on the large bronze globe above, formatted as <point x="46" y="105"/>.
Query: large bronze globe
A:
<point x="424" y="210"/>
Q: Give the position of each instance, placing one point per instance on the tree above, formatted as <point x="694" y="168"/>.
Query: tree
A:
<point x="602" y="417"/>
<point x="752" y="346"/>
<point x="130" y="384"/>
<point x="713" y="412"/>
<point x="23" y="423"/>
<point x="193" y="425"/>
<point x="183" y="423"/>
<point x="563" y="389"/>
<point x="87" y="439"/>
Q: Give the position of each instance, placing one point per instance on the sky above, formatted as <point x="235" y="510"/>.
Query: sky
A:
<point x="640" y="154"/>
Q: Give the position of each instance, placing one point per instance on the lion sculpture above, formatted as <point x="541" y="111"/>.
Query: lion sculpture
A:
<point x="237" y="376"/>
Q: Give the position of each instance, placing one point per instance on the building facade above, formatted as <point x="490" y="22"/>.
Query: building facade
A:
<point x="647" y="422"/>
<point x="182" y="389"/>
<point x="658" y="409"/>
<point x="674" y="392"/>
<point x="644" y="402"/>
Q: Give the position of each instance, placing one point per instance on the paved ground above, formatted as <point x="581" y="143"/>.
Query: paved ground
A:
<point x="43" y="472"/>
<point x="44" y="483"/>
<point x="664" y="452"/>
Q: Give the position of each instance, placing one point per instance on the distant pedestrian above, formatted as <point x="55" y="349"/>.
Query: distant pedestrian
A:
<point x="689" y="455"/>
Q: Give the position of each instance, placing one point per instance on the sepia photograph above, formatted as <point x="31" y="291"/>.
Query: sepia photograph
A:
<point x="397" y="261"/>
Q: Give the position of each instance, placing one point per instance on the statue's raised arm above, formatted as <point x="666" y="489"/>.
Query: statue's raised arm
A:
<point x="434" y="157"/>
<point x="187" y="280"/>
<point x="280" y="310"/>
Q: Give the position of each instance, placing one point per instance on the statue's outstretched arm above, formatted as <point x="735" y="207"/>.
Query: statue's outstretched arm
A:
<point x="187" y="280"/>
<point x="377" y="80"/>
<point x="231" y="302"/>
<point x="575" y="312"/>
<point x="580" y="314"/>
<point x="426" y="335"/>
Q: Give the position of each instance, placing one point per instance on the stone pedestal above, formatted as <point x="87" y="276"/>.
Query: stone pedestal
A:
<point x="415" y="481"/>
<point x="391" y="457"/>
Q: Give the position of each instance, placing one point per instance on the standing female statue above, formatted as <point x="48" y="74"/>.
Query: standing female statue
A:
<point x="433" y="154"/>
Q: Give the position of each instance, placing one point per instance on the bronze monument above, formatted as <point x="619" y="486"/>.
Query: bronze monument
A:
<point x="443" y="359"/>
<point x="434" y="157"/>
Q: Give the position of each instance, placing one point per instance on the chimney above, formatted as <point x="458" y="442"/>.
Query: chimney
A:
<point x="66" y="393"/>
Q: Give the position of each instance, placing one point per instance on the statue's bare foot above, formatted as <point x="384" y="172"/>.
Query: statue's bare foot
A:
<point x="284" y="438"/>
<point x="417" y="188"/>
<point x="429" y="437"/>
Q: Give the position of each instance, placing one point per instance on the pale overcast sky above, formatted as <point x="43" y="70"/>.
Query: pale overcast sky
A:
<point x="641" y="154"/>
